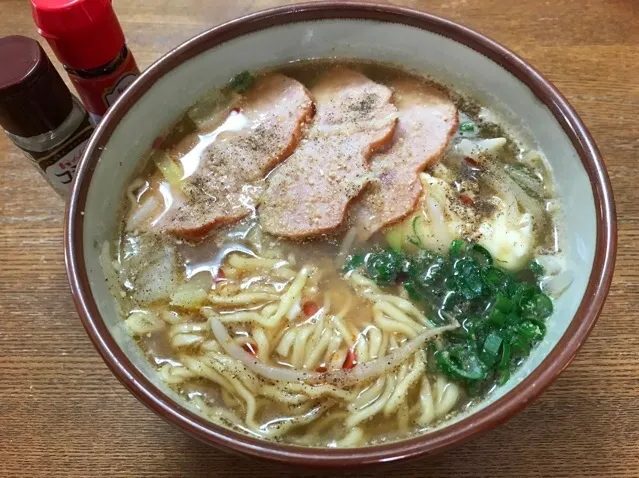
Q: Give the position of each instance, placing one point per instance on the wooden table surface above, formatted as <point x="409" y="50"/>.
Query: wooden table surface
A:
<point x="62" y="413"/>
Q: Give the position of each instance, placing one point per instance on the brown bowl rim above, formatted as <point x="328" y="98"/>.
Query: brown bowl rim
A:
<point x="492" y="415"/>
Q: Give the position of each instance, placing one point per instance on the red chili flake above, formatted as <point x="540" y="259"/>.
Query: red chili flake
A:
<point x="157" y="142"/>
<point x="219" y="276"/>
<point x="321" y="369"/>
<point x="467" y="200"/>
<point x="250" y="348"/>
<point x="472" y="162"/>
<point x="350" y="361"/>
<point x="310" y="308"/>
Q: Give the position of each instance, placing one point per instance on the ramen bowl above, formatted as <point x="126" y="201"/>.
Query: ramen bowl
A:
<point x="449" y="53"/>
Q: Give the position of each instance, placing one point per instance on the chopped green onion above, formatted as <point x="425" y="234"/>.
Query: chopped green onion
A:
<point x="497" y="317"/>
<point x="242" y="81"/>
<point x="536" y="268"/>
<point x="468" y="275"/>
<point x="492" y="344"/>
<point x="456" y="247"/>
<point x="494" y="278"/>
<point x="504" y="361"/>
<point x="467" y="127"/>
<point x="482" y="255"/>
<point x="538" y="306"/>
<point x="383" y="266"/>
<point x="411" y="288"/>
<point x="461" y="363"/>
<point x="501" y="313"/>
<point x="503" y="303"/>
<point x="353" y="262"/>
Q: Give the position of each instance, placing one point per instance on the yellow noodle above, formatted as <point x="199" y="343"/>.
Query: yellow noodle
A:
<point x="383" y="348"/>
<point x="175" y="374"/>
<point x="427" y="403"/>
<point x="403" y="418"/>
<point x="407" y="307"/>
<point x="242" y="317"/>
<point x="198" y="368"/>
<point x="391" y="326"/>
<point x="249" y="400"/>
<point x="373" y="409"/>
<point x="316" y="353"/>
<point x="286" y="342"/>
<point x="230" y="272"/>
<point x="343" y="331"/>
<point x="319" y="327"/>
<point x="403" y="371"/>
<point x="230" y="368"/>
<point x="279" y="427"/>
<point x="262" y="343"/>
<point x="292" y="295"/>
<point x="332" y="347"/>
<point x="229" y="400"/>
<point x="316" y="391"/>
<point x="374" y="342"/>
<point x="210" y="346"/>
<point x="299" y="346"/>
<point x="361" y="348"/>
<point x="368" y="395"/>
<point x="448" y="395"/>
<point x="285" y="273"/>
<point x="282" y="396"/>
<point x="188" y="328"/>
<point x="336" y="361"/>
<point x="245" y="298"/>
<point x="186" y="340"/>
<point x="268" y="310"/>
<point x="328" y="420"/>
<point x="396" y="314"/>
<point x="171" y="317"/>
<point x="245" y="263"/>
<point x="401" y="390"/>
<point x="352" y="438"/>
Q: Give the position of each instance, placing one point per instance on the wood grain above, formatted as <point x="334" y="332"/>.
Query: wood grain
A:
<point x="63" y="412"/>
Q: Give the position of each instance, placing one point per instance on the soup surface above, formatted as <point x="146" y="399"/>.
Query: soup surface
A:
<point x="337" y="254"/>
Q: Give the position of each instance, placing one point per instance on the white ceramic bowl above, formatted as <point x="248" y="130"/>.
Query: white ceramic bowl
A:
<point x="451" y="54"/>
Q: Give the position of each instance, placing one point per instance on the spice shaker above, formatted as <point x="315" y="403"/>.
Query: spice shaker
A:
<point x="87" y="38"/>
<point x="38" y="112"/>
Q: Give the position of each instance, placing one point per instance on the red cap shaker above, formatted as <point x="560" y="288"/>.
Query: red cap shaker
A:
<point x="87" y="38"/>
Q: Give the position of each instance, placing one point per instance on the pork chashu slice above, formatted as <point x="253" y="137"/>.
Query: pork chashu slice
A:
<point x="427" y="121"/>
<point x="223" y="188"/>
<point x="309" y="193"/>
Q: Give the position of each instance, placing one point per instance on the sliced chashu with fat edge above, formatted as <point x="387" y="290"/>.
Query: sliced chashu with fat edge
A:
<point x="427" y="121"/>
<point x="309" y="193"/>
<point x="223" y="188"/>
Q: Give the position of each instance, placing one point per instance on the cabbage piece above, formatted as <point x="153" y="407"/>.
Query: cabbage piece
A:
<point x="149" y="267"/>
<point x="476" y="149"/>
<point x="507" y="233"/>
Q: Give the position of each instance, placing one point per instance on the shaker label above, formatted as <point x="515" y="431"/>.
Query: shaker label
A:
<point x="58" y="166"/>
<point x="98" y="94"/>
<point x="123" y="83"/>
<point x="60" y="174"/>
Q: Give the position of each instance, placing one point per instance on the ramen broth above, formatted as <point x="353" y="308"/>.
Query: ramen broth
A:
<point x="342" y="340"/>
